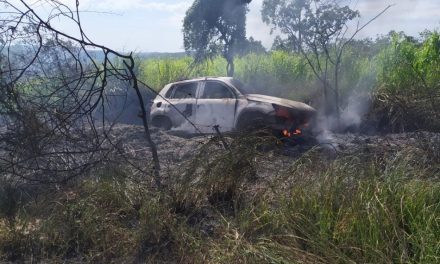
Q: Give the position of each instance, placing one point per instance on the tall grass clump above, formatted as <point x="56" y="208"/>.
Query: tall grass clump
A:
<point x="346" y="211"/>
<point x="409" y="78"/>
<point x="159" y="72"/>
<point x="277" y="73"/>
<point x="367" y="215"/>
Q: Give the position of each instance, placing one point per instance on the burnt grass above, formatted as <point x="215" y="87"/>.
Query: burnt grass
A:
<point x="339" y="198"/>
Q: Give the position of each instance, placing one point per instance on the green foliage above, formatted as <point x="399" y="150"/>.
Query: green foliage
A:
<point x="399" y="73"/>
<point x="409" y="79"/>
<point x="374" y="219"/>
<point x="251" y="46"/>
<point x="159" y="72"/>
<point x="316" y="29"/>
<point x="277" y="73"/>
<point x="214" y="27"/>
<point x="308" y="22"/>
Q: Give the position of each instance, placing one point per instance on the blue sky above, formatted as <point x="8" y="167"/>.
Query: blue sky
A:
<point x="155" y="25"/>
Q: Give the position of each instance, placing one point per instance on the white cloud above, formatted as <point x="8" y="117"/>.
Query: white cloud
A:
<point x="256" y="28"/>
<point x="125" y="5"/>
<point x="410" y="16"/>
<point x="160" y="29"/>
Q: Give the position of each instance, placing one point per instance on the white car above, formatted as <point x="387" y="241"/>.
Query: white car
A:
<point x="200" y="105"/>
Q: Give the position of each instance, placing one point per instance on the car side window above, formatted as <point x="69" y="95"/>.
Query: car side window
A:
<point x="185" y="90"/>
<point x="216" y="90"/>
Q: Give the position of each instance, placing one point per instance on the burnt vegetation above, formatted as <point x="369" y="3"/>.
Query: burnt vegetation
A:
<point x="83" y="177"/>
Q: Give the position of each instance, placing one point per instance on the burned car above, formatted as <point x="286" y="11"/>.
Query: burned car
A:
<point x="200" y="105"/>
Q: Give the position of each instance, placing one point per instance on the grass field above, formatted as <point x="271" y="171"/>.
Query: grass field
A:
<point x="371" y="207"/>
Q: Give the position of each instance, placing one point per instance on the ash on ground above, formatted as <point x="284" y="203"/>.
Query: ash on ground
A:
<point x="175" y="150"/>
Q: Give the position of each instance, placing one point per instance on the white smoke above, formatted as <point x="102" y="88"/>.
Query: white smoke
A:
<point x="351" y="119"/>
<point x="356" y="109"/>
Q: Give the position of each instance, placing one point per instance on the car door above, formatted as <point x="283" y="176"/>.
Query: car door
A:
<point x="215" y="107"/>
<point x="182" y="110"/>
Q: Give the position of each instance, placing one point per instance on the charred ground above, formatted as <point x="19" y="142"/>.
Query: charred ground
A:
<point x="348" y="198"/>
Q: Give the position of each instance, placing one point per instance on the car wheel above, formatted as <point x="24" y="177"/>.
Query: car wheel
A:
<point x="251" y="122"/>
<point x="162" y="122"/>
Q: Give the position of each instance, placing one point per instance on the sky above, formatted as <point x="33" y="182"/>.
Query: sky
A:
<point x="156" y="25"/>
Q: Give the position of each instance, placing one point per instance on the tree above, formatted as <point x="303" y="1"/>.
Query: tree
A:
<point x="282" y="44"/>
<point x="251" y="46"/>
<point x="213" y="27"/>
<point x="319" y="30"/>
<point x="52" y="84"/>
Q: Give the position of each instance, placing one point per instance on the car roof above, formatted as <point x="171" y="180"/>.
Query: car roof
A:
<point x="227" y="80"/>
<point x="208" y="78"/>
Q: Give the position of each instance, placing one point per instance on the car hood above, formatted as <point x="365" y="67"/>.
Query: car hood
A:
<point x="280" y="101"/>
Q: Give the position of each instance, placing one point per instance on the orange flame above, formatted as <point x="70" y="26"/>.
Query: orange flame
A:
<point x="287" y="133"/>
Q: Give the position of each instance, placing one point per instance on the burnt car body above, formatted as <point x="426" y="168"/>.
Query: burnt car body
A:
<point x="199" y="105"/>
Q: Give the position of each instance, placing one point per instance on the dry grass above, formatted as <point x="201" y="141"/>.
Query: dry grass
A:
<point x="353" y="209"/>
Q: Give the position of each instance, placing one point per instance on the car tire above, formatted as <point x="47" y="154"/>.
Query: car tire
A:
<point x="254" y="121"/>
<point x="162" y="122"/>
